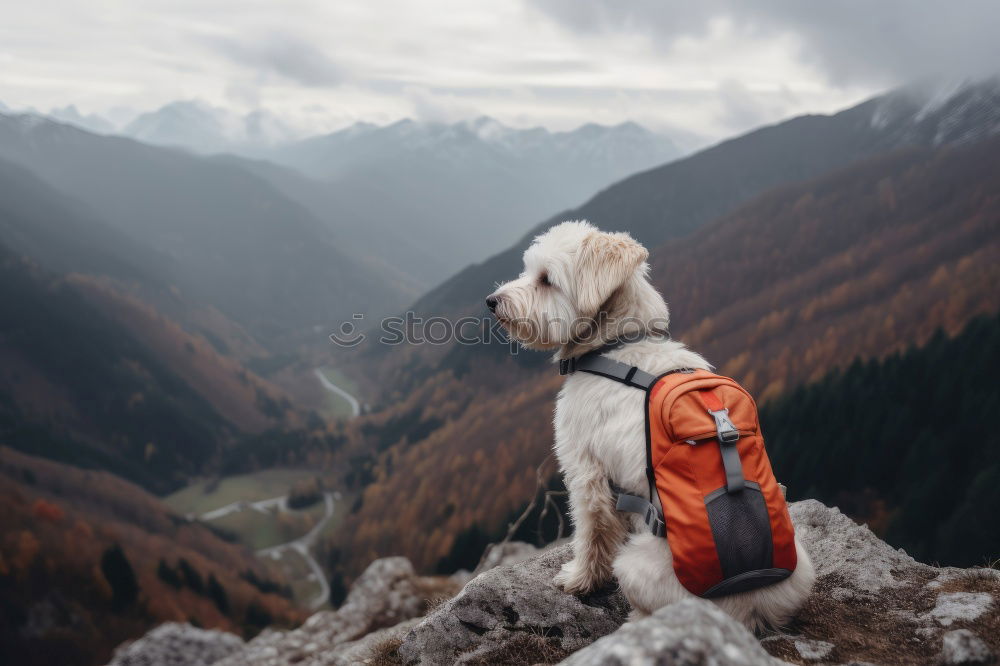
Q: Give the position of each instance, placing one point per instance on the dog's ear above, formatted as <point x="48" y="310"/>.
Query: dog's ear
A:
<point x="605" y="262"/>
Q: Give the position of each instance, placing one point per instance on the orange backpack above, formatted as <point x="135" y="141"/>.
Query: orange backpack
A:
<point x="724" y="515"/>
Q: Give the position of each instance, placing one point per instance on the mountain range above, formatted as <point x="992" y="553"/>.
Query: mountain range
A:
<point x="205" y="129"/>
<point x="229" y="238"/>
<point x="468" y="188"/>
<point x="449" y="194"/>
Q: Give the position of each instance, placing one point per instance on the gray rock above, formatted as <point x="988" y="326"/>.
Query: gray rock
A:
<point x="964" y="647"/>
<point x="873" y="603"/>
<point x="366" y="649"/>
<point x="495" y="555"/>
<point x="180" y="644"/>
<point x="956" y="606"/>
<point x="811" y="650"/>
<point x="386" y="594"/>
<point x="689" y="632"/>
<point x="510" y="552"/>
<point x="840" y="546"/>
<point x="514" y="614"/>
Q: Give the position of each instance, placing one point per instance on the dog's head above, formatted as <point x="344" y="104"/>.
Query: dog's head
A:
<point x="579" y="285"/>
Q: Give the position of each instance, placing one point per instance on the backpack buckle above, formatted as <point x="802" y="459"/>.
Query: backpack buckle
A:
<point x="724" y="428"/>
<point x="567" y="366"/>
<point x="728" y="435"/>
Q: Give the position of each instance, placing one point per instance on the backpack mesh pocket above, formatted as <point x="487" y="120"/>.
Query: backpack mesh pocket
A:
<point x="741" y="529"/>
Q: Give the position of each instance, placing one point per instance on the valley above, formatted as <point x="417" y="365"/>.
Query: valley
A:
<point x="254" y="510"/>
<point x="303" y="545"/>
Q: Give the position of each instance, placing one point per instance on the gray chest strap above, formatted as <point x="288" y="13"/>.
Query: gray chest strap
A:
<point x="596" y="364"/>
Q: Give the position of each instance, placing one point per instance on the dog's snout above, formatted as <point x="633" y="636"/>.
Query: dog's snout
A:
<point x="492" y="301"/>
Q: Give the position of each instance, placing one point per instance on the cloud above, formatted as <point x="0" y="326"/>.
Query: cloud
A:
<point x="281" y="54"/>
<point x="739" y="107"/>
<point x="438" y="107"/>
<point x="873" y="42"/>
<point x="549" y="65"/>
<point x="713" y="67"/>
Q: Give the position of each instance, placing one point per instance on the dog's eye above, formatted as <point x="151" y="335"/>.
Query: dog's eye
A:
<point x="543" y="280"/>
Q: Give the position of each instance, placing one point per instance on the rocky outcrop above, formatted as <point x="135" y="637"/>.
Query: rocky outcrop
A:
<point x="177" y="644"/>
<point x="964" y="647"/>
<point x="508" y="552"/>
<point x="386" y="595"/>
<point x="690" y="632"/>
<point x="877" y="604"/>
<point x="381" y="606"/>
<point x="872" y="603"/>
<point x="514" y="614"/>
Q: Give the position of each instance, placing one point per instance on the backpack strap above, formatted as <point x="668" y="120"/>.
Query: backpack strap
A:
<point x="596" y="363"/>
<point x="727" y="435"/>
<point x="651" y="515"/>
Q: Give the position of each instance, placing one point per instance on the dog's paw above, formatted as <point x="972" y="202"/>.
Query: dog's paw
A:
<point x="574" y="578"/>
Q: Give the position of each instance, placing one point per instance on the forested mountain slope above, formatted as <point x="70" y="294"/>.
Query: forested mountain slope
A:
<point x="60" y="233"/>
<point x="88" y="560"/>
<point x="106" y="364"/>
<point x="859" y="263"/>
<point x="93" y="377"/>
<point x="906" y="442"/>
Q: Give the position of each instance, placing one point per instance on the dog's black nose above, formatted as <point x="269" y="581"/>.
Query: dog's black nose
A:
<point x="492" y="302"/>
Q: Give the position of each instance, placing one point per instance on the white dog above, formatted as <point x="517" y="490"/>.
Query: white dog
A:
<point x="582" y="288"/>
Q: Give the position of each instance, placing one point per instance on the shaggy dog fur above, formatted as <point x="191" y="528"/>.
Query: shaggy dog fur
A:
<point x="580" y="289"/>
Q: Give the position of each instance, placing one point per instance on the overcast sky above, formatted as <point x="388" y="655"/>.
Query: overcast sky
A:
<point x="713" y="67"/>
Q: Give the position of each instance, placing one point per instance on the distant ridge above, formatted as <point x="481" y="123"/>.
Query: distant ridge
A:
<point x="447" y="194"/>
<point x="451" y="194"/>
<point x="233" y="240"/>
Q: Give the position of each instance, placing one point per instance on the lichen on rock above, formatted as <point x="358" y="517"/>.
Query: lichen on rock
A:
<point x="964" y="647"/>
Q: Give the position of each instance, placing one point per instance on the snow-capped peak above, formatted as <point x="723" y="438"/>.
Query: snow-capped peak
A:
<point x="199" y="126"/>
<point x="940" y="112"/>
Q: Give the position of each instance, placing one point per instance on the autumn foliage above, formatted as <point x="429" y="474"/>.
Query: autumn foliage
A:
<point x="79" y="555"/>
<point x="46" y="511"/>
